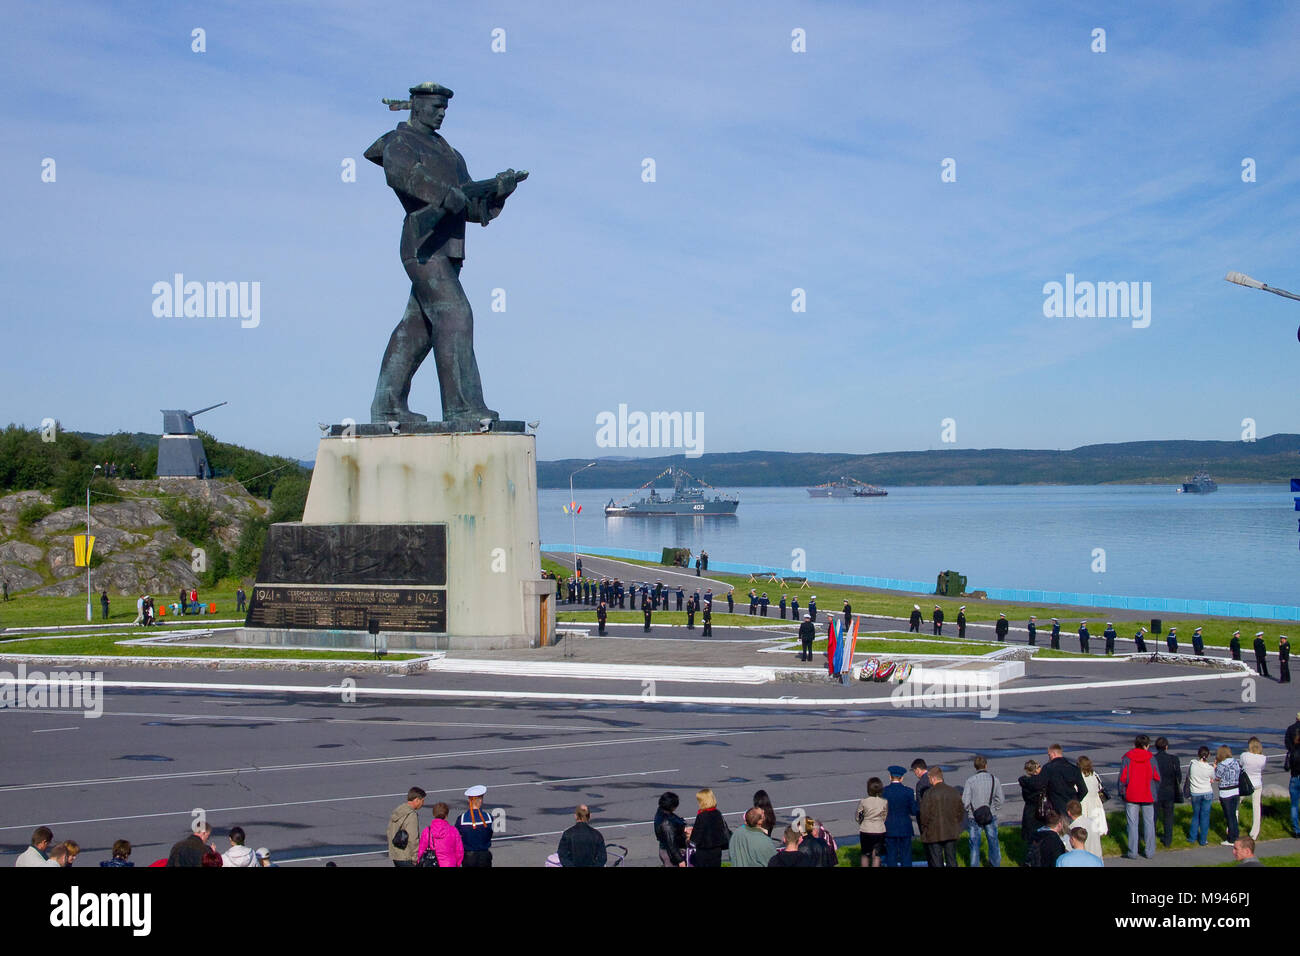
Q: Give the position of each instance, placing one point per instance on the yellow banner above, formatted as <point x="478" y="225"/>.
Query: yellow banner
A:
<point x="82" y="552"/>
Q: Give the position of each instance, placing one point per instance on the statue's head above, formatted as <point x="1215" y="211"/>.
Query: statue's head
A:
<point x="429" y="105"/>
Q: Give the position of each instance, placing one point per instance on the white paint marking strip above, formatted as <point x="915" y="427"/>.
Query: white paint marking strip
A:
<point x="54" y="730"/>
<point x="394" y="723"/>
<point x="459" y="788"/>
<point x="361" y="762"/>
<point x="433" y="693"/>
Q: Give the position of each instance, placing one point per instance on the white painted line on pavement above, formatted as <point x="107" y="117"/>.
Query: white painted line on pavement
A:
<point x="54" y="730"/>
<point x="434" y="693"/>
<point x="390" y="723"/>
<point x="361" y="762"/>
<point x="458" y="788"/>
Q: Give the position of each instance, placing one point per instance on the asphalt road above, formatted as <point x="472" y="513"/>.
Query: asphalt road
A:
<point x="314" y="777"/>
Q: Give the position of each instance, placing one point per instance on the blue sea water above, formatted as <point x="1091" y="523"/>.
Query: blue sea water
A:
<point x="1239" y="544"/>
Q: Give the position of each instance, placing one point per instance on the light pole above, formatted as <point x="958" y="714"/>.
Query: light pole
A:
<point x="573" y="515"/>
<point x="1240" y="278"/>
<point x="89" y="615"/>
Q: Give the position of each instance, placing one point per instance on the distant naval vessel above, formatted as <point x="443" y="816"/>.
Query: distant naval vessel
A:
<point x="688" y="498"/>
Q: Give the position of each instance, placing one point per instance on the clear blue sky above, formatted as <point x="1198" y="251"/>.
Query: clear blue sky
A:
<point x="775" y="170"/>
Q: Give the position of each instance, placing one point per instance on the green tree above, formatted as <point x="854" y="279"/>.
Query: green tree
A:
<point x="289" y="498"/>
<point x="248" y="553"/>
<point x="218" y="566"/>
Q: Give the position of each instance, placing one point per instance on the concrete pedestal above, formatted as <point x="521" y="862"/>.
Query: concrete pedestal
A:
<point x="480" y="487"/>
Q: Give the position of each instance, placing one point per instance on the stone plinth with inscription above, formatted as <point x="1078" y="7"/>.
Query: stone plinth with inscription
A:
<point x="416" y="541"/>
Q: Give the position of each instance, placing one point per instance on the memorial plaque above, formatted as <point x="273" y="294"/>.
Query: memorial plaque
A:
<point x="393" y="554"/>
<point x="348" y="608"/>
<point x="344" y="576"/>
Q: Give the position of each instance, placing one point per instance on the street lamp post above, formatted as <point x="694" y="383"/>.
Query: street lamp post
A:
<point x="1240" y="278"/>
<point x="89" y="614"/>
<point x="573" y="515"/>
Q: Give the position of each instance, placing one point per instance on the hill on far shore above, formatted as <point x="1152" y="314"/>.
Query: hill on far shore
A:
<point x="1275" y="458"/>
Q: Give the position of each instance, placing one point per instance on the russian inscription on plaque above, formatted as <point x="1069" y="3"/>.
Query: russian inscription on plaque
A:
<point x="344" y="576"/>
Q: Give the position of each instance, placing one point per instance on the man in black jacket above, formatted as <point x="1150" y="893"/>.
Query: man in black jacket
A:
<point x="708" y="619"/>
<point x="601" y="615"/>
<point x="1171" y="789"/>
<point x="645" y="610"/>
<point x="1234" y="645"/>
<point x="582" y="844"/>
<point x="1261" y="655"/>
<point x="1084" y="636"/>
<point x="914" y="622"/>
<point x="807" y="634"/>
<point x="1046" y="845"/>
<point x="1002" y="627"/>
<point x="1284" y="659"/>
<point x="189" y="852"/>
<point x="937" y="619"/>
<point x="961" y="623"/>
<point x="1064" y="781"/>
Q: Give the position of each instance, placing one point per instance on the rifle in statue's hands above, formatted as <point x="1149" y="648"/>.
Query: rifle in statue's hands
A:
<point x="498" y="187"/>
<point x="474" y="199"/>
<point x="484" y="194"/>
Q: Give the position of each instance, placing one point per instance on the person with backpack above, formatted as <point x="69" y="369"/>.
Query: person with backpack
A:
<point x="440" y="842"/>
<point x="404" y="829"/>
<point x="1045" y="844"/>
<point x="1139" y="785"/>
<point x="981" y="798"/>
<point x="1063" y="780"/>
<point x="815" y="844"/>
<point x="1033" y="791"/>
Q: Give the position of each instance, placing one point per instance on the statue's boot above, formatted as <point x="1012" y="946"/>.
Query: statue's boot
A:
<point x="388" y="406"/>
<point x="407" y="347"/>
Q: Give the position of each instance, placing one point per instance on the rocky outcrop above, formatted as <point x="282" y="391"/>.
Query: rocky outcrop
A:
<point x="141" y="552"/>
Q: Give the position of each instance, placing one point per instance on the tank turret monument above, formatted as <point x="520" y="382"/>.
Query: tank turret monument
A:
<point x="180" y="450"/>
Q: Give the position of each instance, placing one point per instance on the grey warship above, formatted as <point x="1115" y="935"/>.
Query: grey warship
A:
<point x="688" y="499"/>
<point x="1200" y="484"/>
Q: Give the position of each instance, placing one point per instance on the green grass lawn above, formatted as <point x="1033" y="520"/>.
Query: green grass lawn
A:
<point x="31" y="610"/>
<point x="831" y="598"/>
<point x="106" y="645"/>
<point x="1275" y="825"/>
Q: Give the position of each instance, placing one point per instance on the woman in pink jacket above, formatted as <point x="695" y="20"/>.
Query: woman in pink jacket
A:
<point x="442" y="838"/>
